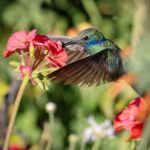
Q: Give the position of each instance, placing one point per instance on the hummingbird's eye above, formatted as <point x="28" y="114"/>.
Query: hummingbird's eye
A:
<point x="86" y="38"/>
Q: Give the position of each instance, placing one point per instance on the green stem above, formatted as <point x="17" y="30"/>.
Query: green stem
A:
<point x="41" y="71"/>
<point x="145" y="141"/>
<point x="14" y="113"/>
<point x="51" y="130"/>
<point x="83" y="144"/>
<point x="45" y="70"/>
<point x="96" y="144"/>
<point x="93" y="12"/>
<point x="72" y="146"/>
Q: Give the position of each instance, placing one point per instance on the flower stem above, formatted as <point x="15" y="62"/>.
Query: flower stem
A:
<point x="72" y="146"/>
<point x="91" y="9"/>
<point x="96" y="144"/>
<point x="83" y="144"/>
<point x="14" y="113"/>
<point x="51" y="131"/>
<point x="45" y="70"/>
<point x="144" y="142"/>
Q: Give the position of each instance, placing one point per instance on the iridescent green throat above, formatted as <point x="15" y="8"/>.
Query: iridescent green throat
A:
<point x="97" y="47"/>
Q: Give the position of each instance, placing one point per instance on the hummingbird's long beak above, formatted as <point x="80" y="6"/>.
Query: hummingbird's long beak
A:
<point x="70" y="42"/>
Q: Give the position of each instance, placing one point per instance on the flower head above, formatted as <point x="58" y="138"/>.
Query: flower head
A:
<point x="50" y="107"/>
<point x="96" y="131"/>
<point x="38" y="54"/>
<point x="128" y="118"/>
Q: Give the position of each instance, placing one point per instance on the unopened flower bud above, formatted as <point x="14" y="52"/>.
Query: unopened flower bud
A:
<point x="25" y="70"/>
<point x="73" y="138"/>
<point x="50" y="107"/>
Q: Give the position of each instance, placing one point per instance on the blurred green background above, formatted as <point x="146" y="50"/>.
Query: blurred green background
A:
<point x="116" y="20"/>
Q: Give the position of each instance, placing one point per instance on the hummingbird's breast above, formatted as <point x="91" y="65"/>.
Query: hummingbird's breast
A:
<point x="93" y="49"/>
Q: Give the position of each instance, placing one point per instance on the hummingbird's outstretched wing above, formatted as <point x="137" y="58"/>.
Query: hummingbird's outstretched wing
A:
<point x="74" y="52"/>
<point x="103" y="66"/>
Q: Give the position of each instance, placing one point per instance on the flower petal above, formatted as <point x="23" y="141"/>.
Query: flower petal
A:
<point x="31" y="35"/>
<point x="136" y="131"/>
<point x="58" y="57"/>
<point x="18" y="41"/>
<point x="40" y="39"/>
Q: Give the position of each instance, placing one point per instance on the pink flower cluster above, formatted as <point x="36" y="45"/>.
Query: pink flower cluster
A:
<point x="130" y="119"/>
<point x="16" y="147"/>
<point x="35" y="50"/>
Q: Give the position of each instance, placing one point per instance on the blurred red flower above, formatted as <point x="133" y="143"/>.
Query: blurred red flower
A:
<point x="16" y="147"/>
<point x="128" y="118"/>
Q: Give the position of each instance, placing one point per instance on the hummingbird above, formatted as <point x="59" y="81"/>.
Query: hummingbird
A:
<point x="98" y="61"/>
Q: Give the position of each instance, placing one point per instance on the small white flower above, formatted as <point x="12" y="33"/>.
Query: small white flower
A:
<point x="97" y="131"/>
<point x="87" y="135"/>
<point x="50" y="107"/>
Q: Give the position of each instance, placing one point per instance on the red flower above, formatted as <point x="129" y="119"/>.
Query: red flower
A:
<point x="58" y="56"/>
<point x="37" y="52"/>
<point x="128" y="118"/>
<point x="22" y="40"/>
<point x="18" y="41"/>
<point x="16" y="147"/>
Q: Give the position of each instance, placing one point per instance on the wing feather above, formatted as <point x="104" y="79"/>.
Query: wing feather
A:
<point x="89" y="70"/>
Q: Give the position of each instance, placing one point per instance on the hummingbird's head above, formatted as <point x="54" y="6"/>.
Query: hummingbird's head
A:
<point x="87" y="38"/>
